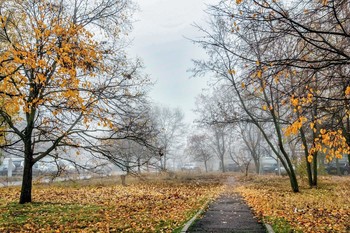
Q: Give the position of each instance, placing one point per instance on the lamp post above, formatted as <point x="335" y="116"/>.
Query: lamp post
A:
<point x="9" y="167"/>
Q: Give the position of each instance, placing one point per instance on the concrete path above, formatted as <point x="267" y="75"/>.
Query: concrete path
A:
<point x="229" y="213"/>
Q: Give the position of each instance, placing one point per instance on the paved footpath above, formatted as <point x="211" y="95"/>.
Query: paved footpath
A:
<point x="228" y="213"/>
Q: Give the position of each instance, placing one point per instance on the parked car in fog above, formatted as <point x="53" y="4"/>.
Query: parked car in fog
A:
<point x="232" y="167"/>
<point x="343" y="165"/>
<point x="4" y="169"/>
<point x="282" y="171"/>
<point x="268" y="164"/>
<point x="190" y="167"/>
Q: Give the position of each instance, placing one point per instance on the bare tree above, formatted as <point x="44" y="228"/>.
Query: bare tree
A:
<point x="253" y="142"/>
<point x="241" y="158"/>
<point x="198" y="146"/>
<point x="171" y="132"/>
<point x="210" y="110"/>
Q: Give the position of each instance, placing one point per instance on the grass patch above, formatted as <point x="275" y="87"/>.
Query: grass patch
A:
<point x="47" y="215"/>
<point x="279" y="225"/>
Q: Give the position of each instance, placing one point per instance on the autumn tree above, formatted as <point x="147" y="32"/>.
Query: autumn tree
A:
<point x="294" y="56"/>
<point x="235" y="60"/>
<point x="65" y="80"/>
<point x="315" y="67"/>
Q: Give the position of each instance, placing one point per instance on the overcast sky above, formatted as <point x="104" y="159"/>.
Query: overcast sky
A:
<point x="159" y="40"/>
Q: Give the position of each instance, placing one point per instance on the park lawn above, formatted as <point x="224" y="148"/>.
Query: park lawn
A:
<point x="139" y="207"/>
<point x="325" y="209"/>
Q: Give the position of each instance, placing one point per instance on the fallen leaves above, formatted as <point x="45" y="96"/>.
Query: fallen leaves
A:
<point x="325" y="209"/>
<point x="114" y="208"/>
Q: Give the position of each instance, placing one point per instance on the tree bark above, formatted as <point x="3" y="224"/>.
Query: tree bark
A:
<point x="306" y="154"/>
<point x="139" y="165"/>
<point x="26" y="190"/>
<point x="123" y="178"/>
<point x="314" y="182"/>
<point x="257" y="165"/>
<point x="222" y="163"/>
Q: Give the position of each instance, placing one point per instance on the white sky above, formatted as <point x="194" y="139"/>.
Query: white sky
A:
<point x="159" y="32"/>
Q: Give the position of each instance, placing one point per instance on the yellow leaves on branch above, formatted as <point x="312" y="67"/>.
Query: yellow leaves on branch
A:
<point x="52" y="53"/>
<point x="297" y="103"/>
<point x="259" y="73"/>
<point x="332" y="143"/>
<point x="294" y="101"/>
<point x="294" y="128"/>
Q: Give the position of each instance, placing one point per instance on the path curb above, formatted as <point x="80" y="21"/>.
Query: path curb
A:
<point x="269" y="228"/>
<point x="189" y="223"/>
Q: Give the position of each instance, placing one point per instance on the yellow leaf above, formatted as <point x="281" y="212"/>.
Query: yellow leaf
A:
<point x="310" y="158"/>
<point x="312" y="125"/>
<point x="232" y="71"/>
<point x="347" y="91"/>
<point x="259" y="73"/>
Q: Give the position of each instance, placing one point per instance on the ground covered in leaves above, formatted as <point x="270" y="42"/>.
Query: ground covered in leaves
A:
<point x="325" y="209"/>
<point x="105" y="207"/>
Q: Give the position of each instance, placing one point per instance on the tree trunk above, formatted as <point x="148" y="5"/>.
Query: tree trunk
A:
<point x="337" y="166"/>
<point x="123" y="178"/>
<point x="309" y="172"/>
<point x="289" y="168"/>
<point x="306" y="153"/>
<point x="26" y="191"/>
<point x="294" y="181"/>
<point x="222" y="163"/>
<point x="139" y="165"/>
<point x="206" y="166"/>
<point x="257" y="165"/>
<point x="164" y="162"/>
<point x="314" y="182"/>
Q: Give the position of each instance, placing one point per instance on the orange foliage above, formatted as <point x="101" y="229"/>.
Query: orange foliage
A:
<point x="332" y="143"/>
<point x="43" y="59"/>
<point x="294" y="128"/>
